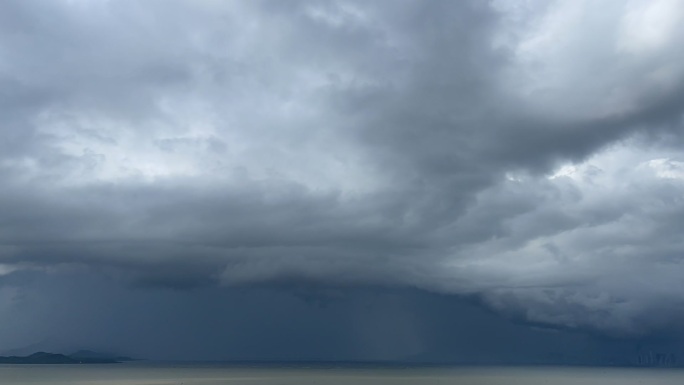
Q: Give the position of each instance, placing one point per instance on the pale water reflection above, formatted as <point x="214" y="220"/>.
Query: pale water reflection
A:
<point x="158" y="374"/>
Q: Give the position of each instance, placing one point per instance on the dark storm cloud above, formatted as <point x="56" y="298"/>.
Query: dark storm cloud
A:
<point x="280" y="323"/>
<point x="519" y="153"/>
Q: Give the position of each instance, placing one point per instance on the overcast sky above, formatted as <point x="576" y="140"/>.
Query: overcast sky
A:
<point x="340" y="179"/>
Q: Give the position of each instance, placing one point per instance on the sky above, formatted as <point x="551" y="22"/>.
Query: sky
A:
<point x="360" y="180"/>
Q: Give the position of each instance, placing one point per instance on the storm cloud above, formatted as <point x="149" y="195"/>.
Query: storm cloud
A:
<point x="527" y="154"/>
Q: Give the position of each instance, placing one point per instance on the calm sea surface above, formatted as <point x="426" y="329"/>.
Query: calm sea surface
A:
<point x="197" y="374"/>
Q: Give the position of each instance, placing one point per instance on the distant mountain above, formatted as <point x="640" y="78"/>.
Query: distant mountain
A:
<point x="38" y="358"/>
<point x="28" y="349"/>
<point x="79" y="357"/>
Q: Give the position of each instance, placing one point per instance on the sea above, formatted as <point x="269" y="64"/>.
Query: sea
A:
<point x="214" y="374"/>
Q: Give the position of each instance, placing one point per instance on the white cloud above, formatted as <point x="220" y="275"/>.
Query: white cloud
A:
<point x="648" y="26"/>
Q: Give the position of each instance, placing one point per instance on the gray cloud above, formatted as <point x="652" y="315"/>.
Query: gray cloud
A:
<point x="523" y="154"/>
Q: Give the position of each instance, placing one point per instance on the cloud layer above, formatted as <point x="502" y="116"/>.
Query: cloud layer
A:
<point x="527" y="153"/>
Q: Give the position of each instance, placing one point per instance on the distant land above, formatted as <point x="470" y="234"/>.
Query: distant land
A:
<point x="79" y="357"/>
<point x="643" y="359"/>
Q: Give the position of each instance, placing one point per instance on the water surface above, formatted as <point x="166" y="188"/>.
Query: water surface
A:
<point x="204" y="374"/>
